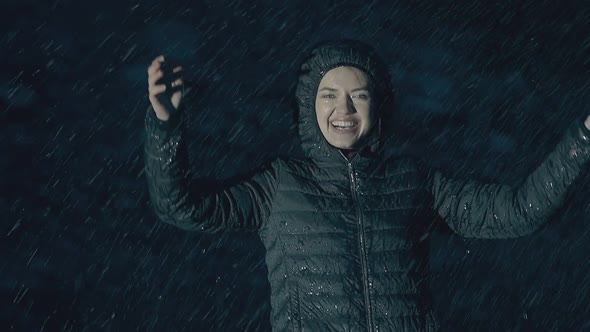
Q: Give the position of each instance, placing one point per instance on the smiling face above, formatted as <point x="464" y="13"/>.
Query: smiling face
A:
<point x="344" y="107"/>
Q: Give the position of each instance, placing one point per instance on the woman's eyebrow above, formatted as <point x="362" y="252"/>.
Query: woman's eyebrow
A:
<point x="363" y="88"/>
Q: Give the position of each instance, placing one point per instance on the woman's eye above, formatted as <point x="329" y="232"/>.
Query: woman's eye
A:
<point x="361" y="96"/>
<point x="329" y="95"/>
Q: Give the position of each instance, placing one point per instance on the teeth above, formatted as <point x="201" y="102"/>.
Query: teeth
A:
<point x="343" y="124"/>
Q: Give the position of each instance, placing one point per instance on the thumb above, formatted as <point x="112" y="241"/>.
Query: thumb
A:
<point x="176" y="99"/>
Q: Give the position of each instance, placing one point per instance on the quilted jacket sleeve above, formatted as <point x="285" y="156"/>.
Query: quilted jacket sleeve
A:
<point x="480" y="210"/>
<point x="175" y="200"/>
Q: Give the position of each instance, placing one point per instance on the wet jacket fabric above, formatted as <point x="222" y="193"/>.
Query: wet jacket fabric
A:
<point x="347" y="241"/>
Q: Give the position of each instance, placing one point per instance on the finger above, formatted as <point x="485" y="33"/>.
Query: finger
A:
<point x="177" y="69"/>
<point x="177" y="83"/>
<point x="158" y="59"/>
<point x="157" y="89"/>
<point x="153" y="78"/>
<point x="156" y="63"/>
<point x="154" y="67"/>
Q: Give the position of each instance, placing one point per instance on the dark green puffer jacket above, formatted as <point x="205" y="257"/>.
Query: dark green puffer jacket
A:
<point x="347" y="240"/>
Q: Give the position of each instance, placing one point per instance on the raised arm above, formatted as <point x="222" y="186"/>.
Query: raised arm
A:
<point x="480" y="210"/>
<point x="175" y="198"/>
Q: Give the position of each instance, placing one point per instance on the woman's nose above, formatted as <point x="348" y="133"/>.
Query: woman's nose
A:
<point x="346" y="106"/>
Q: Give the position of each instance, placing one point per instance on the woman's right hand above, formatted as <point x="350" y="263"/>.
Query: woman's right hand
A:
<point x="160" y="100"/>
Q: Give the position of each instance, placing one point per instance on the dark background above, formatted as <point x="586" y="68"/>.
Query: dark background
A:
<point x="484" y="90"/>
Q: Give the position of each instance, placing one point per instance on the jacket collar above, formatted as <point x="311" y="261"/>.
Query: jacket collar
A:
<point x="323" y="154"/>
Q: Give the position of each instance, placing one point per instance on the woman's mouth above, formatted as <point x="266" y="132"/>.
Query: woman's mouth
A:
<point x="340" y="126"/>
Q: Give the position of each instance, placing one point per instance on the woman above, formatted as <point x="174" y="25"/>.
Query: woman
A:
<point x="345" y="229"/>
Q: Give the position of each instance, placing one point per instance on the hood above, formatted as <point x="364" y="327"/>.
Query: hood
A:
<point x="321" y="59"/>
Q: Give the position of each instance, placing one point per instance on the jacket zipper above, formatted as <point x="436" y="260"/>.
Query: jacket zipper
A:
<point x="362" y="246"/>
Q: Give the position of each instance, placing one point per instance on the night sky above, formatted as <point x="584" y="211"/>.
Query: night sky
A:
<point x="484" y="90"/>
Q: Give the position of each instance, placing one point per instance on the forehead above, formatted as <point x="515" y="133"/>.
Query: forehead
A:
<point x="346" y="77"/>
